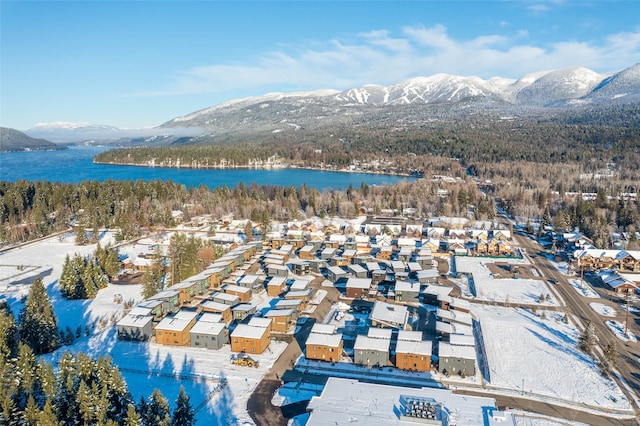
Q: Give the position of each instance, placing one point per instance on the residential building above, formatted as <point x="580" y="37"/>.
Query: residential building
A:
<point x="454" y="359"/>
<point x="209" y="335"/>
<point x="389" y="316"/>
<point x="357" y="288"/>
<point x="250" y="339"/>
<point x="174" y="329"/>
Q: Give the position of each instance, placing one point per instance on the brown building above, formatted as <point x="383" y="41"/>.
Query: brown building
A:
<point x="324" y="347"/>
<point x="413" y="355"/>
<point x="276" y="286"/>
<point x="282" y="319"/>
<point x="242" y="292"/>
<point x="218" y="308"/>
<point x="174" y="330"/>
<point x="250" y="339"/>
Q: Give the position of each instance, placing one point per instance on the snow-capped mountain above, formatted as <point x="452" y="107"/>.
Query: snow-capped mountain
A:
<point x="438" y="96"/>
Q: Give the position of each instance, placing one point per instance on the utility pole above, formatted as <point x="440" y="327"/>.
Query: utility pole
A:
<point x="626" y="316"/>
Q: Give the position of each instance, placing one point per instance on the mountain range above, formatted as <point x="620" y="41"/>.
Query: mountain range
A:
<point x="574" y="92"/>
<point x="13" y="140"/>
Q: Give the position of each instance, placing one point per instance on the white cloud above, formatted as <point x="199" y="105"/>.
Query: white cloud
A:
<point x="383" y="58"/>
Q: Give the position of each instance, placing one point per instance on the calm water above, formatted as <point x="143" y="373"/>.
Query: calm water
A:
<point x="76" y="164"/>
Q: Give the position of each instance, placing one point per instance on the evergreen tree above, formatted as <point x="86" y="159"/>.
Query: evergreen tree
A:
<point x="183" y="414"/>
<point x="157" y="412"/>
<point x="49" y="416"/>
<point x="38" y="325"/>
<point x="8" y="333"/>
<point x="133" y="418"/>
<point x="587" y="338"/>
<point x="610" y="356"/>
<point x="70" y="280"/>
<point x="152" y="277"/>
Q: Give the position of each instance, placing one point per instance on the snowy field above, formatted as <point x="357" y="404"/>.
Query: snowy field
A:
<point x="604" y="310"/>
<point x="542" y="354"/>
<point x="504" y="290"/>
<point x="583" y="288"/>
<point x="145" y="366"/>
<point x="618" y="329"/>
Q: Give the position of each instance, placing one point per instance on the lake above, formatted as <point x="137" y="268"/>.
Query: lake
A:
<point x="76" y="164"/>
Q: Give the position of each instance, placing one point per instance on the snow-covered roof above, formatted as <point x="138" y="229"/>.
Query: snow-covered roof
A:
<point x="249" y="279"/>
<point x="134" y="320"/>
<point x="299" y="285"/>
<point x="462" y="340"/>
<point x="277" y="281"/>
<point x="215" y="306"/>
<point x="363" y="283"/>
<point x="348" y="401"/>
<point x="179" y="322"/>
<point x="453" y="328"/>
<point x="278" y="313"/>
<point x="207" y="327"/>
<point x="356" y="269"/>
<point x="236" y="288"/>
<point x="248" y="331"/>
<point x="454" y="316"/>
<point x="412" y="347"/>
<point x="210" y="317"/>
<point x="446" y="350"/>
<point x="260" y="322"/>
<point x="407" y="286"/>
<point x="371" y="343"/>
<point x="331" y="340"/>
<point x="288" y="303"/>
<point x="232" y="298"/>
<point x="415" y="336"/>
<point x="437" y="290"/>
<point x="320" y="328"/>
<point x="393" y="315"/>
<point x="379" y="333"/>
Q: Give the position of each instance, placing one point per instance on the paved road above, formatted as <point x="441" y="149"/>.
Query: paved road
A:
<point x="578" y="305"/>
<point x="259" y="406"/>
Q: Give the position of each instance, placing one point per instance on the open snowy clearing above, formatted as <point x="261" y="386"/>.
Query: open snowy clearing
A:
<point x="504" y="290"/>
<point x="145" y="366"/>
<point x="618" y="329"/>
<point x="540" y="358"/>
<point x="604" y="310"/>
<point x="583" y="288"/>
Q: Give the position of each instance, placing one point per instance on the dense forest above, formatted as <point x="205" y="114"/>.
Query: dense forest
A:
<point x="80" y="390"/>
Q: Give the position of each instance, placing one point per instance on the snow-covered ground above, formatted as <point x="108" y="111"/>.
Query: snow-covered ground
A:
<point x="504" y="290"/>
<point x="604" y="310"/>
<point x="618" y="329"/>
<point x="583" y="288"/>
<point x="542" y="355"/>
<point x="145" y="366"/>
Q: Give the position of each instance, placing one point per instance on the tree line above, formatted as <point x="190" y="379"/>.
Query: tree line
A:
<point x="81" y="390"/>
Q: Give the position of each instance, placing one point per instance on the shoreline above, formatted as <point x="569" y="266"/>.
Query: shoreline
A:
<point x="260" y="167"/>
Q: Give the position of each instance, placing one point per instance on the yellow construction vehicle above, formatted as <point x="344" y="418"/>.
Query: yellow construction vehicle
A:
<point x="244" y="360"/>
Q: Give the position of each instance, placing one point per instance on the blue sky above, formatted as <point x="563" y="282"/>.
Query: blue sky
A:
<point x="140" y="63"/>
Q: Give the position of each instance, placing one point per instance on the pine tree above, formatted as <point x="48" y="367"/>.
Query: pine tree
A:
<point x="133" y="418"/>
<point x="610" y="356"/>
<point x="8" y="333"/>
<point x="587" y="338"/>
<point x="183" y="414"/>
<point x="70" y="278"/>
<point x="157" y="412"/>
<point x="38" y="325"/>
<point x="48" y="416"/>
<point x="152" y="277"/>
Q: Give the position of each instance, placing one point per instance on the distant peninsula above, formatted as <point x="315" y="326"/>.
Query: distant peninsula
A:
<point x="12" y="140"/>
